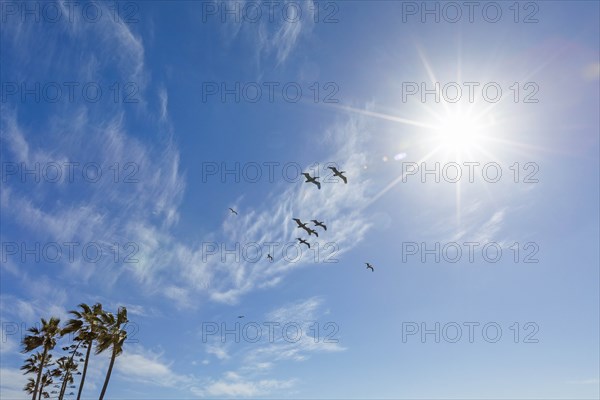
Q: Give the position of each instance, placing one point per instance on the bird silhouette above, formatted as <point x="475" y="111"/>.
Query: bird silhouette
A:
<point x="311" y="232"/>
<point x="304" y="241"/>
<point x="338" y="174"/>
<point x="317" y="223"/>
<point x="233" y="211"/>
<point x="240" y="316"/>
<point x="300" y="223"/>
<point x="311" y="179"/>
<point x="270" y="257"/>
<point x="370" y="267"/>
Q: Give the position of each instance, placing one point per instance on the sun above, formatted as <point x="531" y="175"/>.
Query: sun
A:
<point x="458" y="132"/>
<point x="468" y="130"/>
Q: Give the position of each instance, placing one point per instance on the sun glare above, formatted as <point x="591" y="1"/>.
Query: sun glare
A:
<point x="458" y="132"/>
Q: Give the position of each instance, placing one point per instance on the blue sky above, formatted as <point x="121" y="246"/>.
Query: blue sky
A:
<point x="168" y="210"/>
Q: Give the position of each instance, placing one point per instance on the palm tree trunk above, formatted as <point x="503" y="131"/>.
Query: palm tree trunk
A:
<point x="85" y="365"/>
<point x="45" y="382"/>
<point x="110" y="367"/>
<point x="62" y="390"/>
<point x="39" y="377"/>
<point x="63" y="387"/>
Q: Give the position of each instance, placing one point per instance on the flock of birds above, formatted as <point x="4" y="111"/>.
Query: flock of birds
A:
<point x="314" y="179"/>
<point x="317" y="223"/>
<point x="308" y="229"/>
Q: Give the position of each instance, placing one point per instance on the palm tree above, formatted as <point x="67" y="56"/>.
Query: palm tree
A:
<point x="45" y="382"/>
<point x="45" y="337"/>
<point x="111" y="335"/>
<point x="65" y="369"/>
<point x="32" y="365"/>
<point x="85" y="324"/>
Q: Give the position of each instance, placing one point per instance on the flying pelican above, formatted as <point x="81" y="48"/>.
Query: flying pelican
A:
<point x="370" y="267"/>
<point x="317" y="223"/>
<point x="233" y="211"/>
<point x="338" y="174"/>
<point x="312" y="231"/>
<point x="311" y="179"/>
<point x="240" y="316"/>
<point x="304" y="241"/>
<point x="300" y="223"/>
<point x="270" y="257"/>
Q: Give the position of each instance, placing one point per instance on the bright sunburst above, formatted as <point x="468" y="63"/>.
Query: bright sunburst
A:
<point x="458" y="132"/>
<point x="448" y="131"/>
<point x="461" y="133"/>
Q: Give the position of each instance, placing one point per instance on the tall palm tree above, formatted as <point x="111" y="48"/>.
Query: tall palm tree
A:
<point x="112" y="335"/>
<point x="67" y="366"/>
<point x="65" y="369"/>
<point x="47" y="380"/>
<point x="86" y="327"/>
<point x="32" y="365"/>
<point x="44" y="337"/>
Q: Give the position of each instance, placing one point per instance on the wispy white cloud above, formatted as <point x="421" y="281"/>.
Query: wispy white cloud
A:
<point x="180" y="296"/>
<point x="340" y="206"/>
<point x="144" y="366"/>
<point x="30" y="311"/>
<point x="12" y="382"/>
<point x="285" y="37"/>
<point x="7" y="344"/>
<point x="237" y="387"/>
<point x="110" y="210"/>
<point x="479" y="229"/>
<point x="256" y="360"/>
<point x="303" y="315"/>
<point x="276" y="34"/>
<point x="104" y="44"/>
<point x="145" y="212"/>
<point x="219" y="350"/>
<point x="137" y="209"/>
<point x="303" y="310"/>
